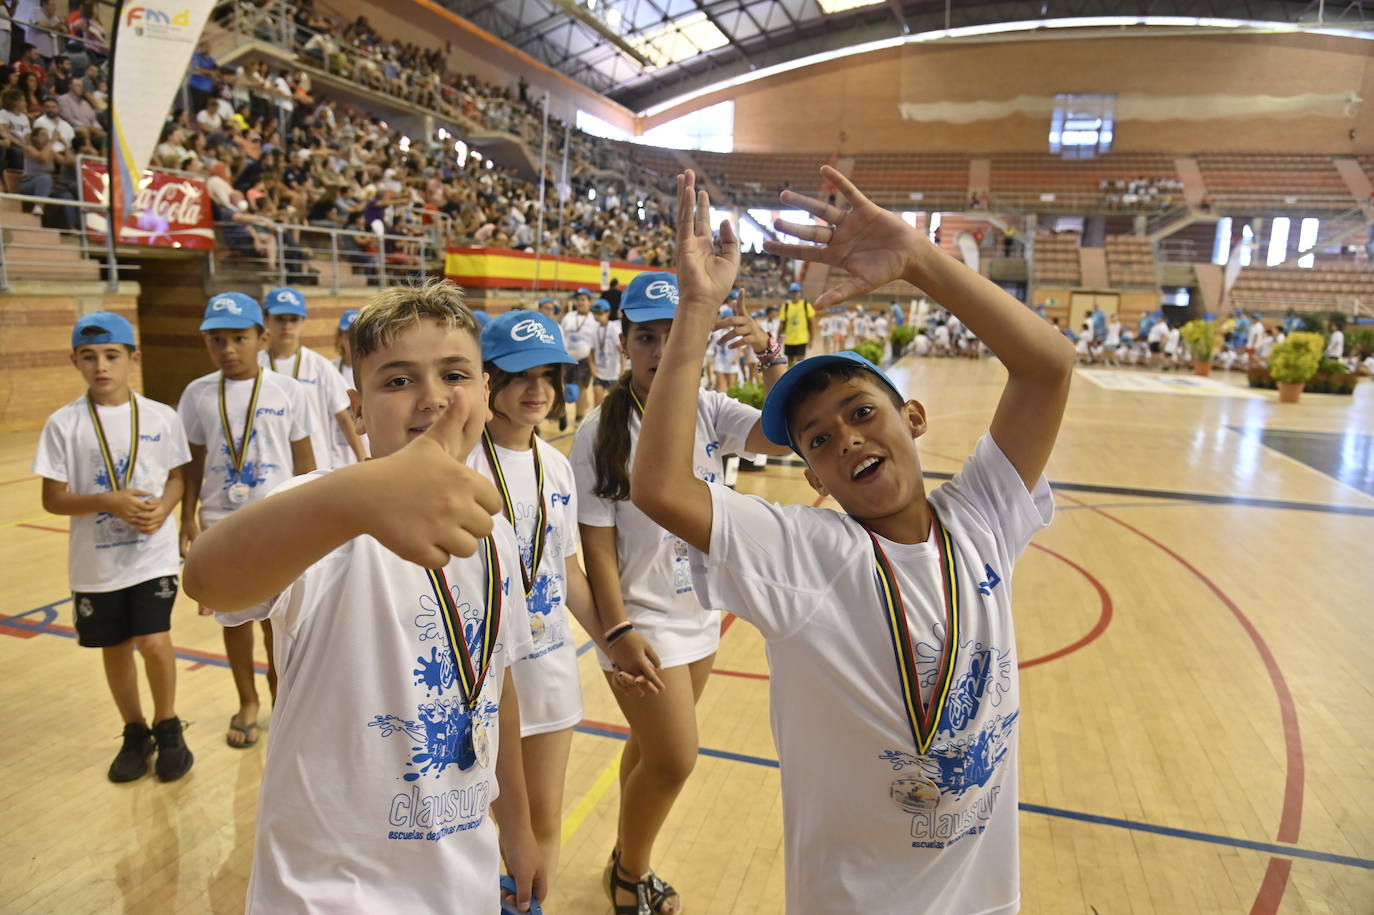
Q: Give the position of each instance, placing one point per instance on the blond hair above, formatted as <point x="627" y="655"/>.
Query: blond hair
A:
<point x="402" y="307"/>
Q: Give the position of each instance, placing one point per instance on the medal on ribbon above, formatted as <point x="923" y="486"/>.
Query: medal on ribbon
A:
<point x="639" y="407"/>
<point x="239" y="490"/>
<point x="296" y="367"/>
<point x="116" y="482"/>
<point x="527" y="575"/>
<point x="923" y="717"/>
<point x="471" y="676"/>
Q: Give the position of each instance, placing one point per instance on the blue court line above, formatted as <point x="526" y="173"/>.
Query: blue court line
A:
<point x="1288" y="851"/>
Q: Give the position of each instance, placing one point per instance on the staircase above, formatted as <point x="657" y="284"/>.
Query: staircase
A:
<point x="32" y="252"/>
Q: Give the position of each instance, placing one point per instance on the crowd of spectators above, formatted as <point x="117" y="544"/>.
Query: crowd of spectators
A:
<point x="1141" y="194"/>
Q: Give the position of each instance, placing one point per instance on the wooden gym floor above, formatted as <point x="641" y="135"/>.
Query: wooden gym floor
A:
<point x="1194" y="713"/>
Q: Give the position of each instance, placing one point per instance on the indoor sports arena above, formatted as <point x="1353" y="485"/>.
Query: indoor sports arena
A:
<point x="900" y="457"/>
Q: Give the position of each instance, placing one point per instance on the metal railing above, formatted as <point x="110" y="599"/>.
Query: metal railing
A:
<point x="14" y="254"/>
<point x="285" y="253"/>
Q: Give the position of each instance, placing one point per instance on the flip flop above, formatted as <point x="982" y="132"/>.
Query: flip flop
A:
<point x="508" y="907"/>
<point x="249" y="732"/>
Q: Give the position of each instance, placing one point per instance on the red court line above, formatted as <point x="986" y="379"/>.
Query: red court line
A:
<point x="726" y="622"/>
<point x="738" y="673"/>
<point x="39" y="527"/>
<point x="1290" y="821"/>
<point x="1104" y="619"/>
<point x="17" y="630"/>
<point x="605" y="726"/>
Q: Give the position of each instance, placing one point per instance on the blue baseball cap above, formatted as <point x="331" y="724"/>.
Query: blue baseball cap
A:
<point x="583" y="291"/>
<point x="547" y="302"/>
<point x="775" y="405"/>
<point x="650" y="297"/>
<point x="601" y="305"/>
<point x="102" y="327"/>
<point x="734" y="294"/>
<point x="347" y="318"/>
<point x="283" y="300"/>
<point x="726" y="311"/>
<point x="795" y="287"/>
<point x="483" y="319"/>
<point x="519" y="340"/>
<point x="231" y="311"/>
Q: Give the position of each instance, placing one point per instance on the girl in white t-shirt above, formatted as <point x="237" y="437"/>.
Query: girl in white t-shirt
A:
<point x="524" y="358"/>
<point x="642" y="582"/>
<point x="725" y="359"/>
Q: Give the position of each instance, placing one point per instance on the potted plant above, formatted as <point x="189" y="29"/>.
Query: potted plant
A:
<point x="901" y="337"/>
<point x="1201" y="339"/>
<point x="1294" y="361"/>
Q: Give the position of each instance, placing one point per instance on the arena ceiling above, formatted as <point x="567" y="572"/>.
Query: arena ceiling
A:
<point x="642" y="53"/>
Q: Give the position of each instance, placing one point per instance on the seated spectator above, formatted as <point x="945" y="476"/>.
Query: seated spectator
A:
<point x="77" y="111"/>
<point x="29" y="64"/>
<point x="51" y="120"/>
<point x="208" y="118"/>
<point x="14" y="129"/>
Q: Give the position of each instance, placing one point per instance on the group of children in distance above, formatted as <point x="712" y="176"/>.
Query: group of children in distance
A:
<point x="418" y="601"/>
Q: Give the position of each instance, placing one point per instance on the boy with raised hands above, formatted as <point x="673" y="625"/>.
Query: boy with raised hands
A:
<point x="388" y="585"/>
<point x="889" y="626"/>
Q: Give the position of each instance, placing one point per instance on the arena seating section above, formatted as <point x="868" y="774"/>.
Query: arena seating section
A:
<point x="1258" y="184"/>
<point x="1131" y="262"/>
<point x="1055" y="259"/>
<point x="1022" y="180"/>
<point x="1332" y="287"/>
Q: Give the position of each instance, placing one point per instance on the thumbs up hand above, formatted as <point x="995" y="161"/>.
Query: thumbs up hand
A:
<point x="423" y="502"/>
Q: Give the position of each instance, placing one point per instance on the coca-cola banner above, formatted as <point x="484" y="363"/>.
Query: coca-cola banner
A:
<point x="170" y="209"/>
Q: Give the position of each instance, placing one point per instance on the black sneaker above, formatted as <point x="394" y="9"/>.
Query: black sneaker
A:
<point x="173" y="756"/>
<point x="132" y="762"/>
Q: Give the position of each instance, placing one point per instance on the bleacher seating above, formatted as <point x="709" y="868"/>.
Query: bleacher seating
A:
<point x="1328" y="287"/>
<point x="1077" y="185"/>
<point x="894" y="179"/>
<point x="1055" y="259"/>
<point x="1260" y="184"/>
<point x="1131" y="262"/>
<point x="755" y="179"/>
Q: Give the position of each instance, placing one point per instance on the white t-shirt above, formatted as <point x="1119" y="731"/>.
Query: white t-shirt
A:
<point x="1335" y="347"/>
<point x="579" y="334"/>
<point x="922" y="344"/>
<point x="372" y="799"/>
<point x="934" y="833"/>
<point x="1158" y="331"/>
<point x="726" y="358"/>
<point x="1114" y="334"/>
<point x="1254" y="336"/>
<point x="546" y="677"/>
<point x="105" y="554"/>
<point x="606" y="351"/>
<point x="326" y="394"/>
<point x="283" y="417"/>
<point x="343" y="451"/>
<point x="655" y="576"/>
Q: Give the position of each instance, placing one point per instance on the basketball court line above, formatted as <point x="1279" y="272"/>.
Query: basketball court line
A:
<point x="607" y="777"/>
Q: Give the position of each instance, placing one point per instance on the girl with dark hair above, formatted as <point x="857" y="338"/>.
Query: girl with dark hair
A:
<point x="662" y="642"/>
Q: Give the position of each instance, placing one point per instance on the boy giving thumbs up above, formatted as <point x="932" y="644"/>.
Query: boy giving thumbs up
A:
<point x="388" y="585"/>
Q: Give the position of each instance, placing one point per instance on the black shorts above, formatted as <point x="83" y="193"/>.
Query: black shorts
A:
<point x="580" y="374"/>
<point x="797" y="350"/>
<point x="1154" y="347"/>
<point x="107" y="618"/>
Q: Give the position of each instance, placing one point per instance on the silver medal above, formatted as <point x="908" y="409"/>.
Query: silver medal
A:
<point x="481" y="747"/>
<point x="238" y="493"/>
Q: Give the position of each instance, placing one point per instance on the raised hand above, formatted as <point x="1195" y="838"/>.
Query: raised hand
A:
<point x="742" y="330"/>
<point x="423" y="502"/>
<point x="873" y="245"/>
<point x="705" y="271"/>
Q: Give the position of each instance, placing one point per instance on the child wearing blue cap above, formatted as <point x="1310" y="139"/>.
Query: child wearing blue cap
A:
<point x="112" y="459"/>
<point x="579" y="331"/>
<point x="606" y="355"/>
<point x="641" y="581"/>
<point x="343" y="447"/>
<point x="325" y="390"/>
<point x="249" y="430"/>
<point x="524" y="358"/>
<point x="398" y="609"/>
<point x="889" y="627"/>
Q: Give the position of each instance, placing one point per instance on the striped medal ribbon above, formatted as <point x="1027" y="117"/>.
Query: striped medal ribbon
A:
<point x="115" y="482"/>
<point x="639" y="407"/>
<point x="239" y="454"/>
<point x="296" y="367"/>
<point x="507" y="505"/>
<point x="470" y="679"/>
<point x="924" y="717"/>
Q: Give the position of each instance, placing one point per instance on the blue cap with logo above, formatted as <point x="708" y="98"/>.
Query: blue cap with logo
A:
<point x="601" y="305"/>
<point x="483" y="319"/>
<point x="795" y="287"/>
<point x="520" y="340"/>
<point x="231" y="311"/>
<point x="102" y="327"/>
<point x="347" y="318"/>
<point x="547" y="302"/>
<point x="775" y="405"/>
<point x="583" y="291"/>
<point x="650" y="297"/>
<point x="284" y="300"/>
